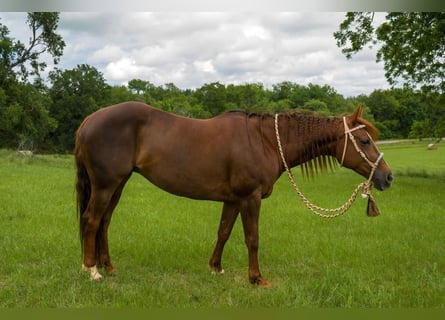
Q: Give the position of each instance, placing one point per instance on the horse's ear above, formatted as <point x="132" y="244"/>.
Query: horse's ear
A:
<point x="357" y="113"/>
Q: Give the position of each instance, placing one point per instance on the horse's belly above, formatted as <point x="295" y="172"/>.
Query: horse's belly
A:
<point x="194" y="184"/>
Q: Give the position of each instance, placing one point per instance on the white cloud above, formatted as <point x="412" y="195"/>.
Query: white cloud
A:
<point x="107" y="53"/>
<point x="256" y="31"/>
<point x="204" y="66"/>
<point x="122" y="69"/>
<point x="193" y="48"/>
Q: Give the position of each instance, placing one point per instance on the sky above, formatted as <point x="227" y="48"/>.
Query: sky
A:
<point x="191" y="49"/>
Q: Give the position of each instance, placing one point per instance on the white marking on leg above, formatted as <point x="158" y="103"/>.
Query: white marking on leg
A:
<point x="94" y="273"/>
<point x="218" y="272"/>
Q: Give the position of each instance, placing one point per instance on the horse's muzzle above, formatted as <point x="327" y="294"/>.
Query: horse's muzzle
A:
<point x="382" y="180"/>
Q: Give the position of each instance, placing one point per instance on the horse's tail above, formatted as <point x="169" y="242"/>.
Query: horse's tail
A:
<point x="83" y="189"/>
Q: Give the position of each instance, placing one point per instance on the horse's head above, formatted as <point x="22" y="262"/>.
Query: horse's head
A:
<point x="357" y="150"/>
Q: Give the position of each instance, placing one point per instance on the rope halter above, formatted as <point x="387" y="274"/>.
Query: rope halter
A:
<point x="348" y="134"/>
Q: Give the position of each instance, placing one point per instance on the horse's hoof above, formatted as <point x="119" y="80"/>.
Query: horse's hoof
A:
<point x="261" y="283"/>
<point x="217" y="271"/>
<point x="264" y="284"/>
<point x="111" y="272"/>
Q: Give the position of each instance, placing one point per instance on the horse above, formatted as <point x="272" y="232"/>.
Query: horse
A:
<point x="232" y="158"/>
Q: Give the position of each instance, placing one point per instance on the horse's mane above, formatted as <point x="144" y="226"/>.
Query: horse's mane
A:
<point x="315" y="158"/>
<point x="373" y="131"/>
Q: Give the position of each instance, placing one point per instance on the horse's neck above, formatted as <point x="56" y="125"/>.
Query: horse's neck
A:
<point x="309" y="138"/>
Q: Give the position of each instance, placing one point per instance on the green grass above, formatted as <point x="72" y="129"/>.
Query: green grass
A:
<point x="413" y="159"/>
<point x="160" y="243"/>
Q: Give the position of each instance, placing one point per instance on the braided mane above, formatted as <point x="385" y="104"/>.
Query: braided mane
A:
<point x="316" y="156"/>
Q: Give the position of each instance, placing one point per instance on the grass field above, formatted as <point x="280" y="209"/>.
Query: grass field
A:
<point x="160" y="243"/>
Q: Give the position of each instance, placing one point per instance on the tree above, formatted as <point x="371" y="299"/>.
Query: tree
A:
<point x="212" y="96"/>
<point x="75" y="94"/>
<point x="16" y="57"/>
<point x="25" y="122"/>
<point x="119" y="94"/>
<point x="251" y="97"/>
<point x="431" y="123"/>
<point x="138" y="86"/>
<point x="386" y="111"/>
<point x="317" y="106"/>
<point x="412" y="45"/>
<point x="24" y="116"/>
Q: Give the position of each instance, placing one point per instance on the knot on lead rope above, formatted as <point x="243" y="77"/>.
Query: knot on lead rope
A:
<point x="366" y="190"/>
<point x="371" y="210"/>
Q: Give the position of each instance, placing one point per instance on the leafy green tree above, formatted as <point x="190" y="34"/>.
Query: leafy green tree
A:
<point x="282" y="90"/>
<point x="20" y="60"/>
<point x="351" y="104"/>
<point x="432" y="117"/>
<point x="420" y="129"/>
<point x="75" y="94"/>
<point x="317" y="106"/>
<point x="300" y="95"/>
<point x="147" y="92"/>
<point x="212" y="97"/>
<point x="283" y="105"/>
<point x="119" y="94"/>
<point x="24" y="116"/>
<point x="251" y="97"/>
<point x="386" y="111"/>
<point x="327" y="94"/>
<point x="409" y="109"/>
<point x="411" y="45"/>
<point x="138" y="86"/>
<point x="25" y="122"/>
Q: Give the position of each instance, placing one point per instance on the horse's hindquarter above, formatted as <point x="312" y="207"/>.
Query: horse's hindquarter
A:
<point x="106" y="142"/>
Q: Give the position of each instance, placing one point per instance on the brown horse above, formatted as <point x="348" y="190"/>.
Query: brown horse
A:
<point x="232" y="158"/>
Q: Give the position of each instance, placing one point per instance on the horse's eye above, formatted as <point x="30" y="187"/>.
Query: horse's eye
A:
<point x="365" y="142"/>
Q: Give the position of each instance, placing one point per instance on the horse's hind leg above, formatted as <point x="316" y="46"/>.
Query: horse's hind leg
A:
<point x="97" y="206"/>
<point x="228" y="218"/>
<point x="250" y="208"/>
<point x="102" y="250"/>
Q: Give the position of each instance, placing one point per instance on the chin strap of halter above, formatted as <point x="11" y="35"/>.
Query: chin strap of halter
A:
<point x="350" y="136"/>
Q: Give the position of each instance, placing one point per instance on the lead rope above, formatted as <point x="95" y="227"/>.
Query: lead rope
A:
<point x="364" y="186"/>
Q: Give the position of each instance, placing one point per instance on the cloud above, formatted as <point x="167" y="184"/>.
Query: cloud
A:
<point x="107" y="53"/>
<point x="190" y="49"/>
<point x="204" y="66"/>
<point x="122" y="69"/>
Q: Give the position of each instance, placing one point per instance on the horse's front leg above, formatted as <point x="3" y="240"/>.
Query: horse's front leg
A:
<point x="228" y="217"/>
<point x="250" y="210"/>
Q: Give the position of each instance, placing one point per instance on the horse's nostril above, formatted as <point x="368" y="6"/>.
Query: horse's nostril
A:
<point x="389" y="178"/>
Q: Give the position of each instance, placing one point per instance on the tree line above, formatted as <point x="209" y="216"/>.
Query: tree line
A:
<point x="44" y="115"/>
<point x="45" y="118"/>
